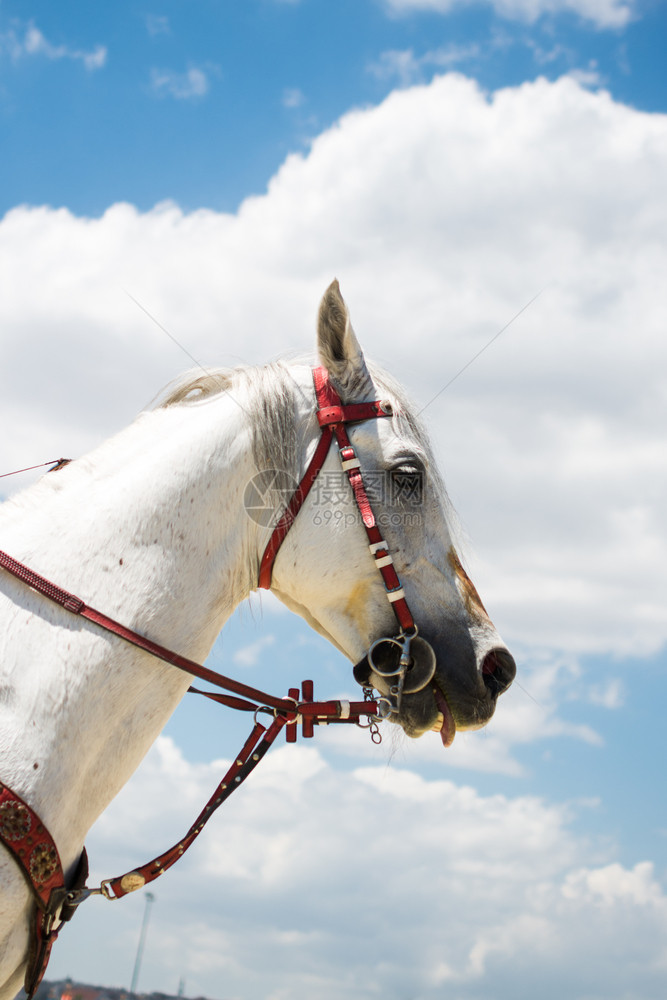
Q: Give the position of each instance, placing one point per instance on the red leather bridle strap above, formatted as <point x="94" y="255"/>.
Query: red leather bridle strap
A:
<point x="21" y="830"/>
<point x="32" y="845"/>
<point x="245" y="762"/>
<point x="76" y="606"/>
<point x="333" y="417"/>
<point x="35" y="852"/>
<point x="33" y="848"/>
<point x="293" y="508"/>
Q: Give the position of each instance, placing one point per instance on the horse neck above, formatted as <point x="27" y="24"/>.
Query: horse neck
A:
<point x="151" y="530"/>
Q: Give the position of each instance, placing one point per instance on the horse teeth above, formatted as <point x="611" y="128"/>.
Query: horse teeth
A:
<point x="439" y="722"/>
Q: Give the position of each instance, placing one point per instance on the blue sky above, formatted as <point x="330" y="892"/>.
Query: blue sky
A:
<point x="221" y="162"/>
<point x="201" y="102"/>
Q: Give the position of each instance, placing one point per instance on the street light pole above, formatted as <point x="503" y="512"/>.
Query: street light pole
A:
<point x="150" y="898"/>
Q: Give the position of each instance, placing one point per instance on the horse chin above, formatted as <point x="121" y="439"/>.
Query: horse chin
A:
<point x="463" y="697"/>
<point x="443" y="724"/>
<point x="434" y="710"/>
<point x="427" y="711"/>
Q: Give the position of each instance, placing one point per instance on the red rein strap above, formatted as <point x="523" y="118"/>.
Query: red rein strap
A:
<point x="250" y="755"/>
<point x="55" y="463"/>
<point x="21" y="830"/>
<point x="19" y="824"/>
<point x="78" y="607"/>
<point x="333" y="416"/>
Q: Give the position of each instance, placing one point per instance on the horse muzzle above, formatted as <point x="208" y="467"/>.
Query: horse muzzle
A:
<point x="419" y="696"/>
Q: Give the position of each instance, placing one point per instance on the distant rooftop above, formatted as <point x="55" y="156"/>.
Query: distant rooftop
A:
<point x="69" y="989"/>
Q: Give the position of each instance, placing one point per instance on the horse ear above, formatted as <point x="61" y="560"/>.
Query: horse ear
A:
<point x="339" y="348"/>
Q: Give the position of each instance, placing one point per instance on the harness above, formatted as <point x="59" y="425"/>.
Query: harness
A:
<point x="411" y="668"/>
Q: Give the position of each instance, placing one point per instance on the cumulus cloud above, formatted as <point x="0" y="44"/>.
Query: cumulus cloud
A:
<point x="601" y="13"/>
<point x="367" y="882"/>
<point x="443" y="211"/>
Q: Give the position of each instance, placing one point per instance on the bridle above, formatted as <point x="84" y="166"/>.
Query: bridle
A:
<point x="414" y="665"/>
<point x="411" y="668"/>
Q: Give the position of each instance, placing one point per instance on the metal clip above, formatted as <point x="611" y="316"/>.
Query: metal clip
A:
<point x="105" y="890"/>
<point x="75" y="897"/>
<point x="266" y="710"/>
<point x="386" y="707"/>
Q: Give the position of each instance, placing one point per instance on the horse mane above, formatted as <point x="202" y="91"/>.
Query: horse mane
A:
<point x="269" y="394"/>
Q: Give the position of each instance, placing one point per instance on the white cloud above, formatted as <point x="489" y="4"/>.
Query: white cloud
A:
<point x="191" y="84"/>
<point x="613" y="884"/>
<point x="533" y="712"/>
<point x="410" y="68"/>
<point x="602" y="13"/>
<point x="611" y="694"/>
<point x="443" y="211"/>
<point x="30" y="41"/>
<point x="306" y="865"/>
<point x="587" y="77"/>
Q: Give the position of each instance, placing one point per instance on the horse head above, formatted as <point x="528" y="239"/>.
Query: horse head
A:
<point x="446" y="667"/>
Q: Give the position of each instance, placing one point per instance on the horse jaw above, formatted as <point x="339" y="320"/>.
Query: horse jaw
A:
<point x="308" y="617"/>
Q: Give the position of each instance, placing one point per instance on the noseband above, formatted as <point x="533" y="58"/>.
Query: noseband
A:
<point x="412" y="653"/>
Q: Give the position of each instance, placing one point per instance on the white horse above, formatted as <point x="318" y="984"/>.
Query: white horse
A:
<point x="151" y="528"/>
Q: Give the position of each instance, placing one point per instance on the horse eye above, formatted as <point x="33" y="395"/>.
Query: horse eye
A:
<point x="409" y="467"/>
<point x="407" y="482"/>
<point x="408" y="470"/>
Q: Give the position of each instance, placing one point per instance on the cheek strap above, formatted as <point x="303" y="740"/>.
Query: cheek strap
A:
<point x="333" y="418"/>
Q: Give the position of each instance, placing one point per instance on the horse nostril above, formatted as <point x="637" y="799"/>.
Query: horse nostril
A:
<point x="498" y="671"/>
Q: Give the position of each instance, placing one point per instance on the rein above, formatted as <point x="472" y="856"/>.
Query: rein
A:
<point x="21" y="830"/>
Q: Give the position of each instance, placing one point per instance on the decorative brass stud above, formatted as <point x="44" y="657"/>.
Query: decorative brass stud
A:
<point x="132" y="881"/>
<point x="15" y="821"/>
<point x="43" y="863"/>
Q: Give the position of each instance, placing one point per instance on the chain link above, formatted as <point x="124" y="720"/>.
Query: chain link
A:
<point x="373" y="728"/>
